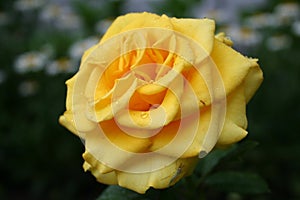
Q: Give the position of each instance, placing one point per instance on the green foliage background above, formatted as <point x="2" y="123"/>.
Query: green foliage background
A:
<point x="39" y="159"/>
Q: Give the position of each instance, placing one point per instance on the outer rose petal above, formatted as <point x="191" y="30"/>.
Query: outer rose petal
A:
<point x="162" y="178"/>
<point x="234" y="67"/>
<point x="93" y="164"/>
<point x="68" y="118"/>
<point x="96" y="169"/>
<point x="87" y="53"/>
<point x="222" y="37"/>
<point x="202" y="31"/>
<point x="140" y="182"/>
<point x="254" y="77"/>
<point x="236" y="121"/>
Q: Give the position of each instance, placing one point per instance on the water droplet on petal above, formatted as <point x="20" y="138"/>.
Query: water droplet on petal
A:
<point x="202" y="154"/>
<point x="144" y="115"/>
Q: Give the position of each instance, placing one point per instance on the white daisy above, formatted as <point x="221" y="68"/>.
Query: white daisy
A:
<point x="287" y="12"/>
<point x="62" y="17"/>
<point x="62" y="65"/>
<point x="243" y="36"/>
<point x="261" y="20"/>
<point x="278" y="42"/>
<point x="78" y="48"/>
<point x="25" y="5"/>
<point x="296" y="28"/>
<point x="30" y="61"/>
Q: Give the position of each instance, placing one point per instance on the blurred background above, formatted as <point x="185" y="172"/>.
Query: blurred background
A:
<point x="41" y="42"/>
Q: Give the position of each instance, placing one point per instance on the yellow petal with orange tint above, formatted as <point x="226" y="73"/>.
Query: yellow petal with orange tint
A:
<point x="158" y="117"/>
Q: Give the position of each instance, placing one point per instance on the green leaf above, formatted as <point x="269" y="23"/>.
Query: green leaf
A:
<point x="115" y="192"/>
<point x="240" y="149"/>
<point x="207" y="164"/>
<point x="214" y="158"/>
<point x="240" y="182"/>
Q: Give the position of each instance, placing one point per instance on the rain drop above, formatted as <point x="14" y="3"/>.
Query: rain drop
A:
<point x="144" y="115"/>
<point x="202" y="154"/>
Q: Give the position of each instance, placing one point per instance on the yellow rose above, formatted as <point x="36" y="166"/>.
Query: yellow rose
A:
<point x="154" y="96"/>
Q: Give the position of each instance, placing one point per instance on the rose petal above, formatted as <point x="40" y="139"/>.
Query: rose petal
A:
<point x="224" y="66"/>
<point x="158" y="117"/>
<point x="201" y="30"/>
<point x="195" y="135"/>
<point x="161" y="178"/>
<point x="106" y="178"/>
<point x="87" y="53"/>
<point x="223" y="38"/>
<point x="92" y="163"/>
<point x="236" y="121"/>
<point x="109" y="139"/>
<point x="67" y="120"/>
<point x="75" y="106"/>
<point x="135" y="20"/>
<point x="253" y="80"/>
<point x="115" y="100"/>
<point x="233" y="66"/>
<point x="138" y="102"/>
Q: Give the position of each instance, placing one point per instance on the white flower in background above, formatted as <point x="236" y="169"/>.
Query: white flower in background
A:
<point x="220" y="15"/>
<point x="261" y="20"/>
<point x="139" y="6"/>
<point x="103" y="25"/>
<point x="225" y="11"/>
<point x="2" y="76"/>
<point x="243" y="36"/>
<point x="51" y="11"/>
<point x="278" y="42"/>
<point x="28" y="88"/>
<point x="296" y="28"/>
<point x="69" y="21"/>
<point x="78" y="48"/>
<point x="30" y="61"/>
<point x="283" y="14"/>
<point x="287" y="12"/>
<point x="25" y="5"/>
<point x="62" y="65"/>
<point x="62" y="17"/>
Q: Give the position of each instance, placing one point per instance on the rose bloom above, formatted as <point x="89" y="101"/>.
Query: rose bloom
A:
<point x="156" y="95"/>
